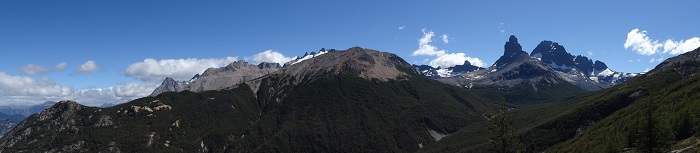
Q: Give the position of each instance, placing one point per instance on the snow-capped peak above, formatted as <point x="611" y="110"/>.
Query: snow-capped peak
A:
<point x="307" y="57"/>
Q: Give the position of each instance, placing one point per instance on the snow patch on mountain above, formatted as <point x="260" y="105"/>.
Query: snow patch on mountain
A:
<point x="307" y="57"/>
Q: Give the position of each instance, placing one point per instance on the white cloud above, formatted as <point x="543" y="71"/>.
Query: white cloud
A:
<point x="673" y="47"/>
<point x="424" y="47"/>
<point x="61" y="66"/>
<point x="445" y="38"/>
<point x="452" y="59"/>
<point x="179" y="69"/>
<point x="642" y="44"/>
<point x="402" y="27"/>
<point x="271" y="56"/>
<point x="31" y="69"/>
<point x="443" y="59"/>
<point x="25" y="86"/>
<point x="660" y="59"/>
<point x="88" y="67"/>
<point x="646" y="70"/>
<point x="116" y="94"/>
<point x="629" y="61"/>
<point x="590" y="53"/>
<point x="23" y="91"/>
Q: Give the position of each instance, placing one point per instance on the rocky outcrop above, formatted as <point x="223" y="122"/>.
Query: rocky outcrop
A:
<point x="61" y="117"/>
<point x="366" y="63"/>
<point x="512" y="52"/>
<point x="219" y="78"/>
<point x="685" y="64"/>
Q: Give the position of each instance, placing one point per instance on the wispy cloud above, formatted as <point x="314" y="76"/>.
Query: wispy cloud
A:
<point x="88" y="67"/>
<point x="657" y="60"/>
<point x="402" y="27"/>
<point x="442" y="58"/>
<point x="61" y="66"/>
<point x="445" y="38"/>
<point x="644" y="45"/>
<point x="424" y="47"/>
<point x="31" y="69"/>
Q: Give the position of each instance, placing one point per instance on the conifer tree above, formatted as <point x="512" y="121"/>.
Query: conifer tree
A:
<point x="504" y="141"/>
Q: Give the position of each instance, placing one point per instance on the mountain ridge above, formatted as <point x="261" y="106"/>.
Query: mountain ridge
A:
<point x="358" y="99"/>
<point x="579" y="70"/>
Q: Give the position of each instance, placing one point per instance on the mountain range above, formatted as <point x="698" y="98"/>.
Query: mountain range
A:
<point x="547" y="59"/>
<point x="363" y="100"/>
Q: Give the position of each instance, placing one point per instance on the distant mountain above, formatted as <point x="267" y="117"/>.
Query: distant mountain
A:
<point x="7" y="122"/>
<point x="107" y="105"/>
<point x="429" y="71"/>
<point x="25" y="111"/>
<point x="357" y="100"/>
<point x="218" y="78"/>
<point x="529" y="77"/>
<point x="9" y="117"/>
<point x="577" y="70"/>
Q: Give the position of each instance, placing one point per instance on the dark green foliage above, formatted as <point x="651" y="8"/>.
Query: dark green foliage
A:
<point x="527" y="111"/>
<point x="651" y="135"/>
<point x="334" y="113"/>
<point x="211" y="118"/>
<point x="683" y="126"/>
<point x="346" y="113"/>
<point x="503" y="127"/>
<point x="618" y="114"/>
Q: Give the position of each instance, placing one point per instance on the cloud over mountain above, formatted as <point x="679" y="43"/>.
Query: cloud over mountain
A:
<point x="272" y="57"/>
<point x="442" y="57"/>
<point x="151" y="70"/>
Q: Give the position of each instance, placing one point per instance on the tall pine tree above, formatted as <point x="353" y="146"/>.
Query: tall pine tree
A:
<point x="504" y="141"/>
<point x="653" y="135"/>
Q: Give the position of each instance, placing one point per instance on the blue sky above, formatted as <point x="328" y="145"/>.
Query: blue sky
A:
<point x="134" y="44"/>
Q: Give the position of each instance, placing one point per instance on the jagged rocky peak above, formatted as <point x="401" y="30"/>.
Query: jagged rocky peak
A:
<point x="269" y="65"/>
<point x="168" y="85"/>
<point x="467" y="66"/>
<point x="196" y="76"/>
<point x="219" y="78"/>
<point x="552" y="53"/>
<point x="512" y="52"/>
<point x="357" y="61"/>
<point x="599" y="65"/>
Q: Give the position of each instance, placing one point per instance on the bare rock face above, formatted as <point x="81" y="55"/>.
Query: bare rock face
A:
<point x="356" y="61"/>
<point x="219" y="78"/>
<point x="233" y="74"/>
<point x="169" y="84"/>
<point x="685" y="64"/>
